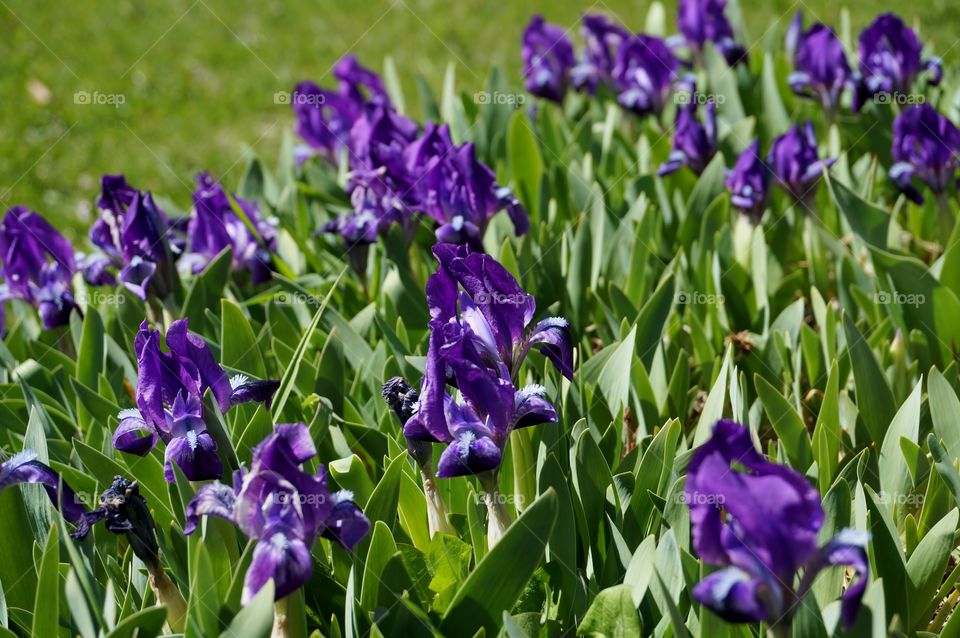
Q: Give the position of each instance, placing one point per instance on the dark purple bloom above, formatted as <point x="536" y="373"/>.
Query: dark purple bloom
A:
<point x="547" y="59"/>
<point x="170" y="389"/>
<point x="926" y="145"/>
<point x="25" y="468"/>
<point x="37" y="266"/>
<point x="478" y="340"/>
<point x="822" y="72"/>
<point x="644" y="73"/>
<point x="749" y="181"/>
<point x="759" y="520"/>
<point x="216" y="225"/>
<point x="284" y="508"/>
<point x="136" y="236"/>
<point x="890" y="57"/>
<point x="602" y="37"/>
<point x="462" y="194"/>
<point x="794" y="160"/>
<point x="325" y="117"/>
<point x="125" y="512"/>
<point x="694" y="142"/>
<point x="702" y="21"/>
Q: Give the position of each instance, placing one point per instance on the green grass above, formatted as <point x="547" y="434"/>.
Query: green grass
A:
<point x="199" y="76"/>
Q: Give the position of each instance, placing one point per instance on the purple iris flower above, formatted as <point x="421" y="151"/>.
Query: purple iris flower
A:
<point x="694" y="142"/>
<point x="136" y="237"/>
<point x="124" y="512"/>
<point x="25" y="468"/>
<point x="749" y="181"/>
<point x="478" y="341"/>
<point x="926" y="145"/>
<point x="602" y="37"/>
<point x="891" y="58"/>
<point x="547" y="59"/>
<point x="37" y="266"/>
<point x="461" y="194"/>
<point x="794" y="160"/>
<point x="325" y="117"/>
<point x="759" y="520"/>
<point x="170" y="389"/>
<point x="284" y="508"/>
<point x="702" y="21"/>
<point x="821" y="68"/>
<point x="644" y="73"/>
<point x="216" y="225"/>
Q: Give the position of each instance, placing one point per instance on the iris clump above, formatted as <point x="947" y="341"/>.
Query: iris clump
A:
<point x="170" y="389"/>
<point x="284" y="508"/>
<point x="37" y="266"/>
<point x="399" y="174"/>
<point x="759" y="521"/>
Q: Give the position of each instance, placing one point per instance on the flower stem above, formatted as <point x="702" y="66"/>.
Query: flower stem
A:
<point x="170" y="597"/>
<point x="498" y="518"/>
<point x="436" y="510"/>
<point x="280" y="625"/>
<point x="780" y="630"/>
<point x="946" y="218"/>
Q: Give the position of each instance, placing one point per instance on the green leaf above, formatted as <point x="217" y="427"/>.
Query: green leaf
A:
<point x="868" y="221"/>
<point x="612" y="615"/>
<point x="239" y="349"/>
<point x="526" y="164"/>
<point x="293" y="366"/>
<point x="142" y="624"/>
<point x="503" y="573"/>
<point x="206" y="291"/>
<point x="46" y="606"/>
<point x="926" y="566"/>
<point x="382" y="548"/>
<point x="787" y="423"/>
<point x="255" y="620"/>
<point x="945" y="411"/>
<point x="874" y="398"/>
<point x="894" y="473"/>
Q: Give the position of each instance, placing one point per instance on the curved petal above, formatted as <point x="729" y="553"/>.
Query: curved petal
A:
<point x="193" y="348"/>
<point x="137" y="275"/>
<point x="555" y="341"/>
<point x="214" y="499"/>
<point x="731" y="594"/>
<point x="24" y="468"/>
<point x="134" y="435"/>
<point x="346" y="523"/>
<point x="469" y="454"/>
<point x="531" y="408"/>
<point x="253" y="391"/>
<point x="847" y="549"/>
<point x="283" y="558"/>
<point x="195" y="454"/>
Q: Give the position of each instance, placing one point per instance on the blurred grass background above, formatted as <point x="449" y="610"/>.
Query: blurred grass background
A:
<point x="198" y="77"/>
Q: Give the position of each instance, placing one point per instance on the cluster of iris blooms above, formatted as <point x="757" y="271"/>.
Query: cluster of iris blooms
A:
<point x="399" y="173"/>
<point x="138" y="246"/>
<point x="469" y="399"/>
<point x="756" y="519"/>
<point x="643" y="71"/>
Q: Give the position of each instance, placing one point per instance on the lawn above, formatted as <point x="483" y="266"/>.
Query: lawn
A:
<point x="188" y="85"/>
